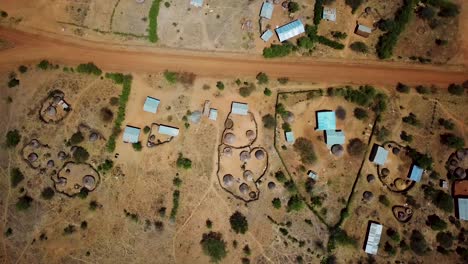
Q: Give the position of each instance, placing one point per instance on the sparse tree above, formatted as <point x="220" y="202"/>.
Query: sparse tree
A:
<point x="239" y="223"/>
<point x="214" y="246"/>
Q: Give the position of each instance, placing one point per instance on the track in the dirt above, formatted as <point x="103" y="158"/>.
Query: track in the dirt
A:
<point x="28" y="47"/>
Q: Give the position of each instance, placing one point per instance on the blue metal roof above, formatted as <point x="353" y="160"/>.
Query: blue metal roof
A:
<point x="267" y="10"/>
<point x="290" y="30"/>
<point x="239" y="108"/>
<point x="333" y="137"/>
<point x="197" y="3"/>
<point x="167" y="130"/>
<point x="151" y="105"/>
<point x="267" y="35"/>
<point x="213" y="114"/>
<point x="289" y="137"/>
<point x="463" y="208"/>
<point x="312" y="175"/>
<point x="416" y="173"/>
<point x="380" y="156"/>
<point x="131" y="134"/>
<point x="326" y="120"/>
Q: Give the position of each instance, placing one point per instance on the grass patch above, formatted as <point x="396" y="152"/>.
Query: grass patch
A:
<point x="153" y="21"/>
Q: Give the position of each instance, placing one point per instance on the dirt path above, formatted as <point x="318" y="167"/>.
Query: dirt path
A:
<point x="29" y="48"/>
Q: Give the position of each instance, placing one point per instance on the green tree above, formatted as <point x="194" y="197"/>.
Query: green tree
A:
<point x="239" y="223"/>
<point x="354" y="4"/>
<point x="80" y="154"/>
<point x="276" y="51"/>
<point x="305" y="42"/>
<point x="76" y="138"/>
<point x="295" y="203"/>
<point x="262" y="78"/>
<point x="293" y="7"/>
<point x="402" y="88"/>
<point x="16" y="177"/>
<point x="418" y="243"/>
<point x="220" y="85"/>
<point x="445" y="239"/>
<point x="171" y="77"/>
<point x="306" y="150"/>
<point x="384" y="200"/>
<point x="436" y="223"/>
<point x="279" y="175"/>
<point x="359" y="46"/>
<point x="13" y="137"/>
<point x="456" y="89"/>
<point x="183" y="162"/>
<point x="276" y="203"/>
<point x="83" y="193"/>
<point x="452" y="141"/>
<point x="214" y="246"/>
<point x="356" y="147"/>
<point x="24" y="202"/>
<point x="269" y="121"/>
<point x="360" y="113"/>
<point x="267" y="92"/>
<point x="137" y="146"/>
<point x="47" y="193"/>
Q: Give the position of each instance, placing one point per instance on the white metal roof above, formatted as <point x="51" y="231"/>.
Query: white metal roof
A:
<point x="290" y="30"/>
<point x="463" y="208"/>
<point x="364" y="29"/>
<point x="196" y="3"/>
<point x="267" y="10"/>
<point x="329" y="14"/>
<point x="289" y="137"/>
<point x="267" y="35"/>
<point x="131" y="134"/>
<point x="167" y="130"/>
<point x="373" y="238"/>
<point x="239" y="108"/>
<point x="213" y="114"/>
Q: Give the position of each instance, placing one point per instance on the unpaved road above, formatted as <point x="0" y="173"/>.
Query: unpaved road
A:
<point x="30" y="47"/>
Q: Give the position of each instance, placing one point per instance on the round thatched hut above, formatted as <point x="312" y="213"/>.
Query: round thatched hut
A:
<point x="61" y="155"/>
<point x="396" y="151"/>
<point x="337" y="150"/>
<point x="50" y="163"/>
<point x="259" y="154"/>
<point x="89" y="182"/>
<point x="51" y="111"/>
<point x="271" y="185"/>
<point x="93" y="137"/>
<point x="367" y="195"/>
<point x="244" y="156"/>
<point x="32" y="157"/>
<point x="244" y="188"/>
<point x="385" y="172"/>
<point x="248" y="175"/>
<point x="229" y="123"/>
<point x="370" y="178"/>
<point x="35" y="143"/>
<point x="252" y="195"/>
<point x="228" y="180"/>
<point x="227" y="151"/>
<point x="459" y="173"/>
<point x="250" y="134"/>
<point x="229" y="138"/>
<point x="289" y="117"/>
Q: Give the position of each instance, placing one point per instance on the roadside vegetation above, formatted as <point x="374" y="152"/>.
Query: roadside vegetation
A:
<point x="153" y="21"/>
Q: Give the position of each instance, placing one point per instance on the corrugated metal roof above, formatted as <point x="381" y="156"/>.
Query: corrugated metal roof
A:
<point x="290" y="30"/>
<point x="239" y="108"/>
<point x="167" y="130"/>
<point x="131" y="134"/>
<point x="380" y="156"/>
<point x="197" y="3"/>
<point x="364" y="29"/>
<point x="312" y="175"/>
<point x="326" y="120"/>
<point x="213" y="114"/>
<point x="333" y="137"/>
<point x="289" y="137"/>
<point x="329" y="14"/>
<point x="267" y="10"/>
<point x="373" y="239"/>
<point x="267" y="35"/>
<point x="463" y="208"/>
<point x="151" y="105"/>
<point x="416" y="173"/>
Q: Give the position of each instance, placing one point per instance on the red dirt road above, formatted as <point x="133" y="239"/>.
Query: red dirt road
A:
<point x="29" y="48"/>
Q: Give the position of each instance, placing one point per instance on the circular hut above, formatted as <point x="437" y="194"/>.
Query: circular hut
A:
<point x="250" y="134"/>
<point x="244" y="188"/>
<point x="260" y="154"/>
<point x="244" y="156"/>
<point x="248" y="175"/>
<point x="32" y="157"/>
<point x="228" y="180"/>
<point x="227" y="151"/>
<point x="271" y="185"/>
<point x="337" y="150"/>
<point x="89" y="182"/>
<point x="229" y="138"/>
<point x="229" y="123"/>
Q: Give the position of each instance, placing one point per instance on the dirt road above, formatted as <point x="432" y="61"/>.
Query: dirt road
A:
<point x="29" y="48"/>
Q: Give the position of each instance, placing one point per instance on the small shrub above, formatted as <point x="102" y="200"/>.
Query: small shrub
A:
<point x="183" y="162"/>
<point x="23" y="203"/>
<point x="283" y="80"/>
<point x="89" y="68"/>
<point x="384" y="200"/>
<point x="247" y="90"/>
<point x="411" y="119"/>
<point x="354" y="4"/>
<point x="93" y="205"/>
<point x="220" y="85"/>
<point x="276" y="203"/>
<point x="359" y="46"/>
<point x="106" y="114"/>
<point x="70" y="229"/>
<point x="137" y="146"/>
<point x="106" y="165"/>
<point x="47" y="193"/>
<point x="447" y="124"/>
<point x="76" y="138"/>
<point x="276" y="51"/>
<point x="418" y="243"/>
<point x="402" y="88"/>
<point x="262" y="78"/>
<point x="286" y="127"/>
<point x="16" y="177"/>
<point x="436" y="223"/>
<point x="22" y="69"/>
<point x="456" y="89"/>
<point x="406" y="137"/>
<point x="13" y="137"/>
<point x="177" y="182"/>
<point x="356" y="147"/>
<point x="279" y="175"/>
<point x="306" y="150"/>
<point x="267" y="92"/>
<point x="239" y="223"/>
<point x="360" y="113"/>
<point x="167" y="4"/>
<point x="80" y="154"/>
<point x="44" y="65"/>
<point x="295" y="203"/>
<point x="171" y="77"/>
<point x="209" y="224"/>
<point x="382" y="134"/>
<point x="422" y="89"/>
<point x="247" y="251"/>
<point x="269" y="121"/>
<point x="293" y="7"/>
<point x="339" y="35"/>
<point x="83" y="194"/>
<point x="452" y="141"/>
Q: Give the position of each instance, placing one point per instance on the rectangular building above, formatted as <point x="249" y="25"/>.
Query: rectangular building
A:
<point x="213" y="114"/>
<point x="373" y="238"/>
<point x="290" y="30"/>
<point x="131" y="134"/>
<point x="196" y="3"/>
<point x="326" y="120"/>
<point x="329" y="14"/>
<point x="267" y="10"/>
<point x="363" y="31"/>
<point x="239" y="108"/>
<point x="289" y="137"/>
<point x="333" y="137"/>
<point x="462" y="205"/>
<point x="378" y="155"/>
<point x="151" y="105"/>
<point x="169" y="131"/>
<point x="267" y="35"/>
<point x="415" y="173"/>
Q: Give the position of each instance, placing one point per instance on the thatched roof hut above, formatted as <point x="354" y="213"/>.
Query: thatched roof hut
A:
<point x="229" y="138"/>
<point x="289" y="117"/>
<point x="35" y="143"/>
<point x="32" y="157"/>
<point x="50" y="163"/>
<point x="460" y="154"/>
<point x="396" y="151"/>
<point x="271" y="185"/>
<point x="260" y="154"/>
<point x="51" y="111"/>
<point x="89" y="182"/>
<point x="337" y="150"/>
<point x="250" y="134"/>
<point x="229" y="123"/>
<point x="228" y="180"/>
<point x="367" y="195"/>
<point x="252" y="195"/>
<point x="385" y="172"/>
<point x="227" y="151"/>
<point x="61" y="155"/>
<point x="248" y="175"/>
<point x="244" y="156"/>
<point x="93" y="137"/>
<point x="244" y="188"/>
<point x="459" y="173"/>
<point x="370" y="178"/>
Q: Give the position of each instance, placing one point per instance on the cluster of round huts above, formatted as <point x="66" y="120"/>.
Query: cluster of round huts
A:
<point x="75" y="176"/>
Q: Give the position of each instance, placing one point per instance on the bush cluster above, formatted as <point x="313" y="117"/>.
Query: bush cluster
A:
<point x="239" y="223"/>
<point x="214" y="246"/>
<point x="175" y="203"/>
<point x="89" y="68"/>
<point x="153" y="21"/>
<point x="183" y="162"/>
<point x="305" y="148"/>
<point x="276" y="51"/>
<point x="359" y="46"/>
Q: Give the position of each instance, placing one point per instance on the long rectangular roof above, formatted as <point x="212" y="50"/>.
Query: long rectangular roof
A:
<point x="365" y="29"/>
<point x="213" y="114"/>
<point x="131" y="134"/>
<point x="290" y="30"/>
<point x="334" y="137"/>
<point x="373" y="238"/>
<point x="289" y="137"/>
<point x="167" y="130"/>
<point x="380" y="156"/>
<point x="239" y="108"/>
<point x="416" y="173"/>
<point x="267" y="35"/>
<point x="326" y="120"/>
<point x="463" y="208"/>
<point x="151" y="105"/>
<point x="197" y="3"/>
<point x="267" y="10"/>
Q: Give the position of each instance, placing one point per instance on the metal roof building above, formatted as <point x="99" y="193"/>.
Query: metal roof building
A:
<point x="196" y="3"/>
<point x="131" y="134"/>
<point x="415" y="173"/>
<point x="326" y="120"/>
<point x="312" y="175"/>
<point x="373" y="238"/>
<point x="289" y="137"/>
<point x="463" y="208"/>
<point x="379" y="155"/>
<point x="267" y="35"/>
<point x="151" y="105"/>
<point x="267" y="10"/>
<point x="213" y="114"/>
<point x="329" y="14"/>
<point x="333" y="137"/>
<point x="239" y="108"/>
<point x="363" y="31"/>
<point x="167" y="130"/>
<point x="290" y="30"/>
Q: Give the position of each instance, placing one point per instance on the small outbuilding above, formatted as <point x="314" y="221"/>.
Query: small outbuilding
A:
<point x="462" y="208"/>
<point x="151" y="105"/>
<point x="333" y="137"/>
<point x="131" y="134"/>
<point x="290" y="30"/>
<point x="374" y="234"/>
<point x="289" y="137"/>
<point x="363" y="31"/>
<point x="312" y="175"/>
<point x="168" y="130"/>
<point x="267" y="10"/>
<point x="415" y="173"/>
<point x="196" y="3"/>
<point x="213" y="114"/>
<point x="239" y="108"/>
<point x="378" y="155"/>
<point x="326" y="120"/>
<point x="266" y="36"/>
<point x="329" y="14"/>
